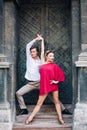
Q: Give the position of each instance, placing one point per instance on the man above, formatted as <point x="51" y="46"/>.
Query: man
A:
<point x="32" y="74"/>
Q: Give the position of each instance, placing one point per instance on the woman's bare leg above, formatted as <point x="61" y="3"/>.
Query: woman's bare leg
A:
<point x="51" y="98"/>
<point x="57" y="105"/>
<point x="37" y="108"/>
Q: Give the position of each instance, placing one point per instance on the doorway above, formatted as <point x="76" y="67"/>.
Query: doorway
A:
<point x="52" y="19"/>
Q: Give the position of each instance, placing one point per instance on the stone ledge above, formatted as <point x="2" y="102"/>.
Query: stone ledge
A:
<point x="4" y="106"/>
<point x="82" y="60"/>
<point x="4" y="64"/>
<point x="81" y="63"/>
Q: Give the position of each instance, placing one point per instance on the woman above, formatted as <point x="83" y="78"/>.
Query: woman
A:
<point x="50" y="76"/>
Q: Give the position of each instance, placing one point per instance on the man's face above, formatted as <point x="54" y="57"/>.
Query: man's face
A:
<point x="34" y="53"/>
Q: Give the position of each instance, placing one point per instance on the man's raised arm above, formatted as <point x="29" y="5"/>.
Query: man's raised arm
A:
<point x="29" y="45"/>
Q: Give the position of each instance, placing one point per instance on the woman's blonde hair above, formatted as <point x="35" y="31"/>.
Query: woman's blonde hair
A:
<point x="47" y="53"/>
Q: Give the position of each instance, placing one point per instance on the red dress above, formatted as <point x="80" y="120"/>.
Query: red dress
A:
<point x="48" y="72"/>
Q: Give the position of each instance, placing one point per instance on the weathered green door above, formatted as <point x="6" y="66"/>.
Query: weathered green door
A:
<point x="52" y="20"/>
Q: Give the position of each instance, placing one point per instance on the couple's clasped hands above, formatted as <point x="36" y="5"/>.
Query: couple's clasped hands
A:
<point x="39" y="37"/>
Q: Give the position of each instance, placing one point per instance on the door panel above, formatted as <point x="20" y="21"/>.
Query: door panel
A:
<point x="53" y="21"/>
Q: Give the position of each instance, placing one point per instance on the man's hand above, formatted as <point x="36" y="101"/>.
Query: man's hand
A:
<point x="39" y="37"/>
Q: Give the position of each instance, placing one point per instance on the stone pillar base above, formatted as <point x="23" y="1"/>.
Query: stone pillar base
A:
<point x="5" y="126"/>
<point x="5" y="117"/>
<point x="80" y="117"/>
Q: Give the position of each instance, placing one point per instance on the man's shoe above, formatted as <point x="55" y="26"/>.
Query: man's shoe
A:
<point x="23" y="112"/>
<point x="66" y="111"/>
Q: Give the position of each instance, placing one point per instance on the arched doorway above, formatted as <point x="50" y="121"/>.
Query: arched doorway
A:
<point x="52" y="19"/>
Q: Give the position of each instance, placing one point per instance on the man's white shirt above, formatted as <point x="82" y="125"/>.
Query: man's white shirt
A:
<point x="32" y="66"/>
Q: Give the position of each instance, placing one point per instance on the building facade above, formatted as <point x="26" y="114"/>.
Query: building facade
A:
<point x="63" y="25"/>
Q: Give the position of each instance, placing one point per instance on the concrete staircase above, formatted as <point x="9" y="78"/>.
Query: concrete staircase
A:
<point x="46" y="119"/>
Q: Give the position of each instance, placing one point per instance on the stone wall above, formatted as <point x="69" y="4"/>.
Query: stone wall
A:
<point x="80" y="111"/>
<point x="10" y="44"/>
<point x="83" y="22"/>
<point x="76" y="45"/>
<point x="1" y="26"/>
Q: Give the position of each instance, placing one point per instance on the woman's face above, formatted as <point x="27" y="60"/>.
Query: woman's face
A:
<point x="50" y="57"/>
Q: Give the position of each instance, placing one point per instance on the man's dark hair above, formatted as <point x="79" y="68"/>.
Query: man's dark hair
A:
<point x="34" y="47"/>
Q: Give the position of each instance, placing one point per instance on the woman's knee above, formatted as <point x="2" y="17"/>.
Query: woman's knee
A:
<point x="56" y="100"/>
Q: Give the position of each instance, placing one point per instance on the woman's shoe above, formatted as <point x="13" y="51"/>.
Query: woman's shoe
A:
<point x="28" y="121"/>
<point x="61" y="121"/>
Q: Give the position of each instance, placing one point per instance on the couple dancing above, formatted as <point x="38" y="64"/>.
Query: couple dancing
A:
<point x="41" y="72"/>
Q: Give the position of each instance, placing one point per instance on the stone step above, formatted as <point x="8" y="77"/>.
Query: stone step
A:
<point x="46" y="119"/>
<point x="43" y="122"/>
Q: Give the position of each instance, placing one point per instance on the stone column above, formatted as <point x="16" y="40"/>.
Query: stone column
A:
<point x="5" y="118"/>
<point x="1" y="25"/>
<point x="11" y="45"/>
<point x="80" y="112"/>
<point x="76" y="46"/>
<point x="83" y="21"/>
<point x="5" y="109"/>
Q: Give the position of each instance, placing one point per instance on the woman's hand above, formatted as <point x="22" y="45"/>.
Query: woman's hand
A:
<point x="39" y="37"/>
<point x="54" y="82"/>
